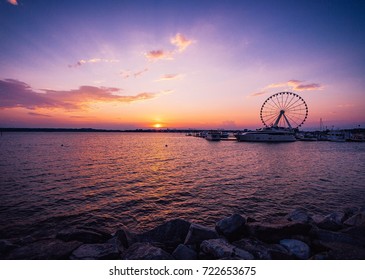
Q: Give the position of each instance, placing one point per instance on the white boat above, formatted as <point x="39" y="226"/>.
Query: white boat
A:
<point x="336" y="136"/>
<point x="267" y="134"/>
<point x="213" y="135"/>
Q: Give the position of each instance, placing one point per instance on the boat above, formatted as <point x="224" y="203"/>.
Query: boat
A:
<point x="213" y="135"/>
<point x="267" y="134"/>
<point x="306" y="137"/>
<point x="336" y="136"/>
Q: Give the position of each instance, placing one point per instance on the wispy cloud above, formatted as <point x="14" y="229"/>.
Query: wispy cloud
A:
<point x="92" y="60"/>
<point x="13" y="2"/>
<point x="295" y="85"/>
<point x="128" y="73"/>
<point x="39" y="115"/>
<point x="169" y="77"/>
<point x="181" y="42"/>
<point x="17" y="94"/>
<point x="258" y="93"/>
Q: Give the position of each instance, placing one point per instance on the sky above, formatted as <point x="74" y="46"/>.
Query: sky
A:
<point x="179" y="64"/>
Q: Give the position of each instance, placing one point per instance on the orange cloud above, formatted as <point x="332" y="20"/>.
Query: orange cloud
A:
<point x="180" y="42"/>
<point x="258" y="93"/>
<point x="295" y="85"/>
<point x="16" y="94"/>
<point x="168" y="77"/>
<point x="13" y="2"/>
<point x="158" y="54"/>
<point x="92" y="60"/>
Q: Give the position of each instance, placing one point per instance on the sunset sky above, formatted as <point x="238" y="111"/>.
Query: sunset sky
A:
<point x="178" y="64"/>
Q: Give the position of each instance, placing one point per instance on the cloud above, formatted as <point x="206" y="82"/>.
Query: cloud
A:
<point x="258" y="93"/>
<point x="180" y="41"/>
<point x="158" y="54"/>
<point x="92" y="60"/>
<point x="17" y="94"/>
<point x="295" y="85"/>
<point x="169" y="77"/>
<point x="39" y="115"/>
<point x="13" y="2"/>
<point x="128" y="73"/>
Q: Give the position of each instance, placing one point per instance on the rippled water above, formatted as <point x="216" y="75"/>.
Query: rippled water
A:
<point x="49" y="181"/>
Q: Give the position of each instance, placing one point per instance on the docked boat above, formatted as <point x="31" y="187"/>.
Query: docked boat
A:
<point x="213" y="135"/>
<point x="336" y="136"/>
<point x="267" y="134"/>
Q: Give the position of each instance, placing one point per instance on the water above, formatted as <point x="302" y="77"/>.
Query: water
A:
<point x="51" y="181"/>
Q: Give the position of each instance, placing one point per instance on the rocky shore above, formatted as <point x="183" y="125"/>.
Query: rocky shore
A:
<point x="298" y="235"/>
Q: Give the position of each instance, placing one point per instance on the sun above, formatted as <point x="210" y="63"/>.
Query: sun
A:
<point x="157" y="125"/>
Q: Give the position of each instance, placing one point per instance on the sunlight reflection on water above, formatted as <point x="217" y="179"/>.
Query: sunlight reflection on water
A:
<point x="142" y="179"/>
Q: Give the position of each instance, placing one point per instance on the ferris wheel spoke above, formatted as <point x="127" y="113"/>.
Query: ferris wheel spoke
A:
<point x="296" y="106"/>
<point x="290" y="101"/>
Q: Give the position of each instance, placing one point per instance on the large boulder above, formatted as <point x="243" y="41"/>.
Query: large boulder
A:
<point x="104" y="251"/>
<point x="46" y="249"/>
<point x="168" y="235"/>
<point x="336" y="237"/>
<point x="257" y="248"/>
<point x="274" y="232"/>
<point x="299" y="215"/>
<point x="84" y="235"/>
<point x="145" y="251"/>
<point x="231" y="227"/>
<point x="221" y="249"/>
<point x="183" y="252"/>
<point x="357" y="219"/>
<point x="296" y="247"/>
<point x="333" y="221"/>
<point x="198" y="234"/>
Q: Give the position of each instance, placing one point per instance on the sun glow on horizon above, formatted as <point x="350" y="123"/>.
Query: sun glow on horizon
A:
<point x="157" y="125"/>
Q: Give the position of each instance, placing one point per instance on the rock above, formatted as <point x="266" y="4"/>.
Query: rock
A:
<point x="198" y="234"/>
<point x="278" y="252"/>
<point x="183" y="252"/>
<point x="103" y="251"/>
<point x="336" y="237"/>
<point x="168" y="235"/>
<point x="231" y="227"/>
<point x="297" y="248"/>
<point x="299" y="215"/>
<point x="257" y="248"/>
<point x="145" y="251"/>
<point x="356" y="232"/>
<point x="46" y="249"/>
<point x="333" y="221"/>
<point x="221" y="249"/>
<point x="273" y="233"/>
<point x="342" y="251"/>
<point x="356" y="220"/>
<point x="122" y="239"/>
<point x="84" y="235"/>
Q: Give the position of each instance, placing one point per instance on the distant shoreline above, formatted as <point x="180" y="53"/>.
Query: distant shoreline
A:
<point x="159" y="130"/>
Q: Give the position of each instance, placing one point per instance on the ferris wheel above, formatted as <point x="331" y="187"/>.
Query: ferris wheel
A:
<point x="284" y="109"/>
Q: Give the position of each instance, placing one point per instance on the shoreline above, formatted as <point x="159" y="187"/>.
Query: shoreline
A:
<point x="296" y="236"/>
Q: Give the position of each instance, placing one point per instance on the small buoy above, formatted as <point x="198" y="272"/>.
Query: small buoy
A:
<point x="61" y="145"/>
<point x="166" y="145"/>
